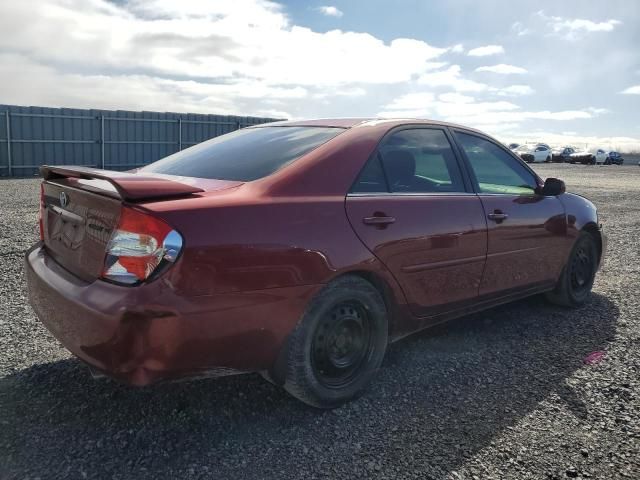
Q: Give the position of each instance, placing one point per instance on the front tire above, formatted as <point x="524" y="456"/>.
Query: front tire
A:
<point x="577" y="277"/>
<point x="339" y="344"/>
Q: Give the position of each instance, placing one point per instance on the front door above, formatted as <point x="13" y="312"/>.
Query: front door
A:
<point x="410" y="207"/>
<point x="527" y="231"/>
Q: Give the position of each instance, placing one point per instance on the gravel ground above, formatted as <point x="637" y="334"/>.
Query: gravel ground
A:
<point x="501" y="394"/>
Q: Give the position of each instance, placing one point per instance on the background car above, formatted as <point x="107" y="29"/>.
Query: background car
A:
<point x="299" y="250"/>
<point x="513" y="146"/>
<point x="614" y="158"/>
<point x="534" y="153"/>
<point x="582" y="156"/>
<point x="562" y="154"/>
<point x="599" y="155"/>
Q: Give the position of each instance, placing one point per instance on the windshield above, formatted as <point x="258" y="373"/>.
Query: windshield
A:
<point x="523" y="148"/>
<point x="244" y="155"/>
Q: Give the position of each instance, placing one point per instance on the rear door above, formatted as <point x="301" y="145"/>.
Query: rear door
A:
<point x="412" y="209"/>
<point x="527" y="231"/>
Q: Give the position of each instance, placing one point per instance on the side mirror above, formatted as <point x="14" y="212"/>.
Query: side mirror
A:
<point x="552" y="187"/>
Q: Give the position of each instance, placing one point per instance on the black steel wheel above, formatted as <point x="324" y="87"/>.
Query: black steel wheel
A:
<point x="337" y="347"/>
<point x="582" y="268"/>
<point x="576" y="281"/>
<point x="341" y="344"/>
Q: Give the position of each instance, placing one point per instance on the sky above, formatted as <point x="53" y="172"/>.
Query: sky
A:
<point x="560" y="72"/>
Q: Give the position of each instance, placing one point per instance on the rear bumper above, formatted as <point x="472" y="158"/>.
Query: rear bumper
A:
<point x="140" y="335"/>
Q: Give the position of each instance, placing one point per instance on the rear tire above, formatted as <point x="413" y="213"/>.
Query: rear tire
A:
<point x="339" y="344"/>
<point x="576" y="280"/>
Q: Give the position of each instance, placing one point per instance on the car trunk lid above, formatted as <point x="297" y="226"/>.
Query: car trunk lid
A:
<point x="81" y="208"/>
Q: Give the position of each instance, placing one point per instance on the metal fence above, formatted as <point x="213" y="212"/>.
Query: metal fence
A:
<point x="110" y="139"/>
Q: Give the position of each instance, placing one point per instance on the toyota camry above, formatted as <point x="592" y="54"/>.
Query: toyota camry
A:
<point x="299" y="250"/>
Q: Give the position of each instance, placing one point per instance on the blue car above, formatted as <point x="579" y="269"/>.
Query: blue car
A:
<point x="614" y="158"/>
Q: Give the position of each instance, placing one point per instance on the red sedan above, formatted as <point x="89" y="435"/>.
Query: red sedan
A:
<point x="299" y="250"/>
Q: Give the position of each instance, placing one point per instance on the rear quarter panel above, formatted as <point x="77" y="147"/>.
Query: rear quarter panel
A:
<point x="242" y="242"/>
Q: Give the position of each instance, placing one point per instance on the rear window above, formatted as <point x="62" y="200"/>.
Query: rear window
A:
<point x="244" y="155"/>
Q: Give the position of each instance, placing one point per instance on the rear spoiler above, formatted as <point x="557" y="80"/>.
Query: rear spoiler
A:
<point x="130" y="186"/>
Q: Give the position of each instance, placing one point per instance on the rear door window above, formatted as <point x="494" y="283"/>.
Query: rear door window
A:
<point x="416" y="160"/>
<point x="244" y="155"/>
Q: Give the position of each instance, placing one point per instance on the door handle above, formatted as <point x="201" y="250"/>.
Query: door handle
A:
<point x="497" y="216"/>
<point x="379" y="221"/>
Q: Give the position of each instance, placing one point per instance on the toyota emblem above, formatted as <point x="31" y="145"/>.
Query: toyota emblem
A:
<point x="64" y="199"/>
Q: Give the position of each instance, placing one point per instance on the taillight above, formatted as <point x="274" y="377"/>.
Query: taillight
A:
<point x="41" y="212"/>
<point x="138" y="246"/>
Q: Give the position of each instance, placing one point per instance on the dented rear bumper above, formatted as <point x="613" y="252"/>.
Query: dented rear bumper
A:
<point x="143" y="334"/>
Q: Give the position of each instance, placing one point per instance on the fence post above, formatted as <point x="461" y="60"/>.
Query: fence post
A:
<point x="179" y="133"/>
<point x="102" y="141"/>
<point x="9" y="163"/>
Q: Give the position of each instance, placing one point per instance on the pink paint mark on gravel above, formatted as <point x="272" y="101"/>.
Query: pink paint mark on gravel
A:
<point x="593" y="358"/>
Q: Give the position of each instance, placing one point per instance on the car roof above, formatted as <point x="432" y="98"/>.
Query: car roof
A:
<point x="319" y="122"/>
<point x="363" y="122"/>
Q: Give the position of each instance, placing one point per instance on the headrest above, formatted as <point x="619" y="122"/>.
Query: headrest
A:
<point x="400" y="166"/>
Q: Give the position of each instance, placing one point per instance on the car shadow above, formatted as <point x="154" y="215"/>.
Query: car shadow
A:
<point x="440" y="397"/>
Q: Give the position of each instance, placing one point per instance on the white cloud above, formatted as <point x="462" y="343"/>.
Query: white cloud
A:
<point x="502" y="68"/>
<point x="515" y="91"/>
<point x="330" y="11"/>
<point x="486" y="50"/>
<point x="252" y="39"/>
<point x="451" y="78"/>
<point x="464" y="109"/>
<point x="598" y="111"/>
<point x="574" y="28"/>
<point x="412" y="101"/>
<point x="194" y="55"/>
<point x="31" y="85"/>
<point x="578" y="24"/>
<point x="342" y="92"/>
<point x="458" y="48"/>
<point x="635" y="90"/>
<point x="455" y="98"/>
<point x="520" y="29"/>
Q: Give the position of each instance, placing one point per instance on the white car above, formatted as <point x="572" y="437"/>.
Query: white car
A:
<point x="600" y="156"/>
<point x="589" y="157"/>
<point x="534" y="153"/>
<point x="582" y="156"/>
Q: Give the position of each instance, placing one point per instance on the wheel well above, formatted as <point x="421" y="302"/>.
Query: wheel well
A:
<point x="383" y="287"/>
<point x="593" y="230"/>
